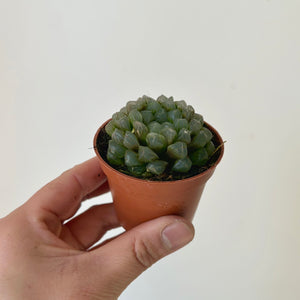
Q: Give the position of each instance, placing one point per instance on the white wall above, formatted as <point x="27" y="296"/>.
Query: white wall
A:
<point x="66" y="66"/>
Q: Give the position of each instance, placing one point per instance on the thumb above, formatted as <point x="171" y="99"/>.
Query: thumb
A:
<point x="123" y="259"/>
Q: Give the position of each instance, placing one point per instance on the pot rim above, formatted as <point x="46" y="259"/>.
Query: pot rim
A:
<point x="192" y="178"/>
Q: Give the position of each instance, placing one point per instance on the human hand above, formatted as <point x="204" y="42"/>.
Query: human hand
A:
<point x="43" y="255"/>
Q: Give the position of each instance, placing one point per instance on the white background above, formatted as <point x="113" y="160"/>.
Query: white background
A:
<point x="66" y="66"/>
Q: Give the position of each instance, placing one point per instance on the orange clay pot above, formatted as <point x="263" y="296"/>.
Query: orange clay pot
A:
<point x="139" y="200"/>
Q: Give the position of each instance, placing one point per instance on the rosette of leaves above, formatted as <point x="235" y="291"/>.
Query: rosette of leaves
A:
<point x="152" y="137"/>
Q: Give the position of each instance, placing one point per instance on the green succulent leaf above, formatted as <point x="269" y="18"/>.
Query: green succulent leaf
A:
<point x="114" y="160"/>
<point x="161" y="116"/>
<point x="169" y="133"/>
<point x="195" y="126"/>
<point x="156" y="167"/>
<point x="156" y="142"/>
<point x="210" y="148"/>
<point x="154" y="127"/>
<point x="131" y="159"/>
<point x="181" y="123"/>
<point x="148" y="99"/>
<point x="130" y="141"/>
<point x="199" y="118"/>
<point x="135" y="115"/>
<point x="137" y="170"/>
<point x="208" y="133"/>
<point x="182" y="165"/>
<point x="184" y="135"/>
<point x="110" y="127"/>
<point x="188" y="112"/>
<point x="200" y="140"/>
<point x="177" y="150"/>
<point x="118" y="115"/>
<point x="118" y="136"/>
<point x="146" y="155"/>
<point x="168" y="124"/>
<point x="130" y="105"/>
<point x="116" y="149"/>
<point x="141" y="104"/>
<point x="153" y="106"/>
<point x="123" y="123"/>
<point x="147" y="116"/>
<point x="123" y="110"/>
<point x="140" y="130"/>
<point x="174" y="115"/>
<point x="199" y="157"/>
<point x="168" y="104"/>
<point x="162" y="98"/>
<point x="181" y="104"/>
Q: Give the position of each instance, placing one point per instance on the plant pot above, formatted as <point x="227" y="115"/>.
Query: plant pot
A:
<point x="139" y="200"/>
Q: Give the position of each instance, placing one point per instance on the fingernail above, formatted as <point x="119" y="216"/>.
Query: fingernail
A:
<point x="176" y="235"/>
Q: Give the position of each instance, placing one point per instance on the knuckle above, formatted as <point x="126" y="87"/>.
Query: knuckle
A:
<point x="145" y="252"/>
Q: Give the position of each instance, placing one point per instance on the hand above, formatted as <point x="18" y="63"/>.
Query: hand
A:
<point x="45" y="256"/>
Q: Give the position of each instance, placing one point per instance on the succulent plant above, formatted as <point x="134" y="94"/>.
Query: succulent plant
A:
<point x="150" y="137"/>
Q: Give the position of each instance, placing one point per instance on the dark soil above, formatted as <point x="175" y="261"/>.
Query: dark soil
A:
<point x="168" y="175"/>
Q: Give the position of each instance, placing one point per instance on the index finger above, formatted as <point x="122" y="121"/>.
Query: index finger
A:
<point x="63" y="195"/>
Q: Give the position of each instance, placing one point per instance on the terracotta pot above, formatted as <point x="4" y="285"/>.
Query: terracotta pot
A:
<point x="138" y="200"/>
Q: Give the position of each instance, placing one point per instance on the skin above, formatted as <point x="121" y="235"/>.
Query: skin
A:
<point x="44" y="255"/>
